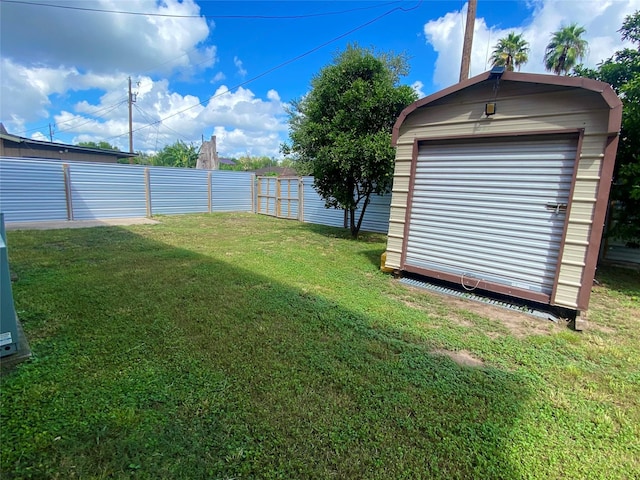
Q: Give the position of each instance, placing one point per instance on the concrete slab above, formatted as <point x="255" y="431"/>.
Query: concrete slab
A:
<point x="57" y="224"/>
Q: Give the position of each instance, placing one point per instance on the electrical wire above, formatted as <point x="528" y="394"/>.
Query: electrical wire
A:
<point x="283" y="64"/>
<point x="169" y="15"/>
<point x="160" y="123"/>
<point x="106" y="110"/>
<point x="113" y="107"/>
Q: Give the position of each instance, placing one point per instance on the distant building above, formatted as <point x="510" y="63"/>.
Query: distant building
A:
<point x="16" y="146"/>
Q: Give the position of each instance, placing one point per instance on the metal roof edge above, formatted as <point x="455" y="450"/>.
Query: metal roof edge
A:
<point x="99" y="151"/>
<point x="608" y="95"/>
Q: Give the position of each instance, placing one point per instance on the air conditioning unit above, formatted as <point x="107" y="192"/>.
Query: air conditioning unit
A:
<point x="8" y="319"/>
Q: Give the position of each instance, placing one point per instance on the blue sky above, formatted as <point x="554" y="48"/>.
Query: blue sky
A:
<point x="230" y="68"/>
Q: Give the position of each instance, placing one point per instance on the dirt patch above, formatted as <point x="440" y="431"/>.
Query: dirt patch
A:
<point x="519" y="324"/>
<point x="462" y="358"/>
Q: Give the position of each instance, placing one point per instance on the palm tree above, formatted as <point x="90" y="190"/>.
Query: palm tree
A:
<point x="565" y="49"/>
<point x="511" y="51"/>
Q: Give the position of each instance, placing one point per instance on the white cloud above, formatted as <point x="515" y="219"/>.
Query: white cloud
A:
<point x="243" y="122"/>
<point x="108" y="42"/>
<point x="241" y="70"/>
<point x="417" y="87"/>
<point x="218" y="77"/>
<point x="25" y="91"/>
<point x="601" y="19"/>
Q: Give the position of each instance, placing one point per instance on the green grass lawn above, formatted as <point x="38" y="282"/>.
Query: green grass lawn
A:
<point x="242" y="346"/>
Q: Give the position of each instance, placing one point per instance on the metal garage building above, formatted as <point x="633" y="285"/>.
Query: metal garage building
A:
<point x="502" y="182"/>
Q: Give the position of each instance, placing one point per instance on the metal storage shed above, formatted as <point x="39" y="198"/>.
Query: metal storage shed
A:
<point x="502" y="183"/>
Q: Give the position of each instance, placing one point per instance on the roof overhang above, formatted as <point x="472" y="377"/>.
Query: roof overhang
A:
<point x="608" y="95"/>
<point x="74" y="148"/>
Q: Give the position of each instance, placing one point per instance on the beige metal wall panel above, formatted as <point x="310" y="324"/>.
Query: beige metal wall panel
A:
<point x="404" y="153"/>
<point x="589" y="167"/>
<point x="581" y="211"/>
<point x="400" y="197"/>
<point x="571" y="274"/>
<point x="578" y="234"/>
<point x="402" y="174"/>
<point x="585" y="189"/>
<point x="566" y="296"/>
<point x="574" y="254"/>
<point x="396" y="228"/>
<point x="393" y="257"/>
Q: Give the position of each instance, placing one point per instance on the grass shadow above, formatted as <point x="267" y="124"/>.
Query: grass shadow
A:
<point x="158" y="361"/>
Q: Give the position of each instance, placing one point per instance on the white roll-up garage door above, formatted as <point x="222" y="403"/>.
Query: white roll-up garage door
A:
<point x="492" y="210"/>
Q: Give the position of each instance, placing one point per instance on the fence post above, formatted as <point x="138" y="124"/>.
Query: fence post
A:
<point x="301" y="199"/>
<point x="255" y="179"/>
<point x="67" y="190"/>
<point x="209" y="191"/>
<point x="147" y="191"/>
<point x="278" y="197"/>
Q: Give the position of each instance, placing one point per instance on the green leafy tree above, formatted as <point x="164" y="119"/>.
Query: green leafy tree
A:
<point x="247" y="163"/>
<point x="178" y="154"/>
<point x="102" y="145"/>
<point x="341" y="130"/>
<point x="511" y="52"/>
<point x="622" y="72"/>
<point x="565" y="49"/>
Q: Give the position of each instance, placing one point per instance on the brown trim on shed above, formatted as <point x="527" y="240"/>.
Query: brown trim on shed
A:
<point x="563" y="241"/>
<point x="407" y="214"/>
<point x="482" y="285"/>
<point x="497" y="135"/>
<point x="599" y="216"/>
<point x="605" y="90"/>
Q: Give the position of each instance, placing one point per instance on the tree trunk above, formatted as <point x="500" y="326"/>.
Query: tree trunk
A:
<point x="352" y="223"/>
<point x="355" y="226"/>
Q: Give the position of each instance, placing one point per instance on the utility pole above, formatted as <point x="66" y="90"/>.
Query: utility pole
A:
<point x="131" y="102"/>
<point x="468" y="40"/>
<point x="50" y="133"/>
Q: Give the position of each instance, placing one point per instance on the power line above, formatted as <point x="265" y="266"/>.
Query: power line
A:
<point x="283" y="64"/>
<point x="168" y="15"/>
<point x="113" y="107"/>
<point x="106" y="110"/>
<point x="159" y="123"/>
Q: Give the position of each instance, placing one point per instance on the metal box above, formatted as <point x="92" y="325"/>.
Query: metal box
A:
<point x="8" y="320"/>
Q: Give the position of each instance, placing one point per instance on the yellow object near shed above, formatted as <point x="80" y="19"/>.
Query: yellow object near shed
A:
<point x="502" y="183"/>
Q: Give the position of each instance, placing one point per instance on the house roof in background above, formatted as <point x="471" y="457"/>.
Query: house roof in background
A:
<point x="226" y="161"/>
<point x="42" y="144"/>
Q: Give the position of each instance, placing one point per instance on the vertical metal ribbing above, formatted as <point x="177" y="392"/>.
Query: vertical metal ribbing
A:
<point x="209" y="192"/>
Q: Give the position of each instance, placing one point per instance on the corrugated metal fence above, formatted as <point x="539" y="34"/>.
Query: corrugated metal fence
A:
<point x="32" y="190"/>
<point x="297" y="198"/>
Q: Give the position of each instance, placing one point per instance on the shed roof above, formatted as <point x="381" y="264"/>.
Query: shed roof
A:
<point x="608" y="95"/>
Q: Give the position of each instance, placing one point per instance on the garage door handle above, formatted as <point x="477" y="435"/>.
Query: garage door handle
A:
<point x="557" y="207"/>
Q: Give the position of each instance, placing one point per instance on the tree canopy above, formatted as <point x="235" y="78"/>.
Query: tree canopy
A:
<point x="510" y="52"/>
<point x="341" y="130"/>
<point x="622" y="72"/>
<point x="565" y="49"/>
<point x="178" y="154"/>
<point x="102" y="145"/>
